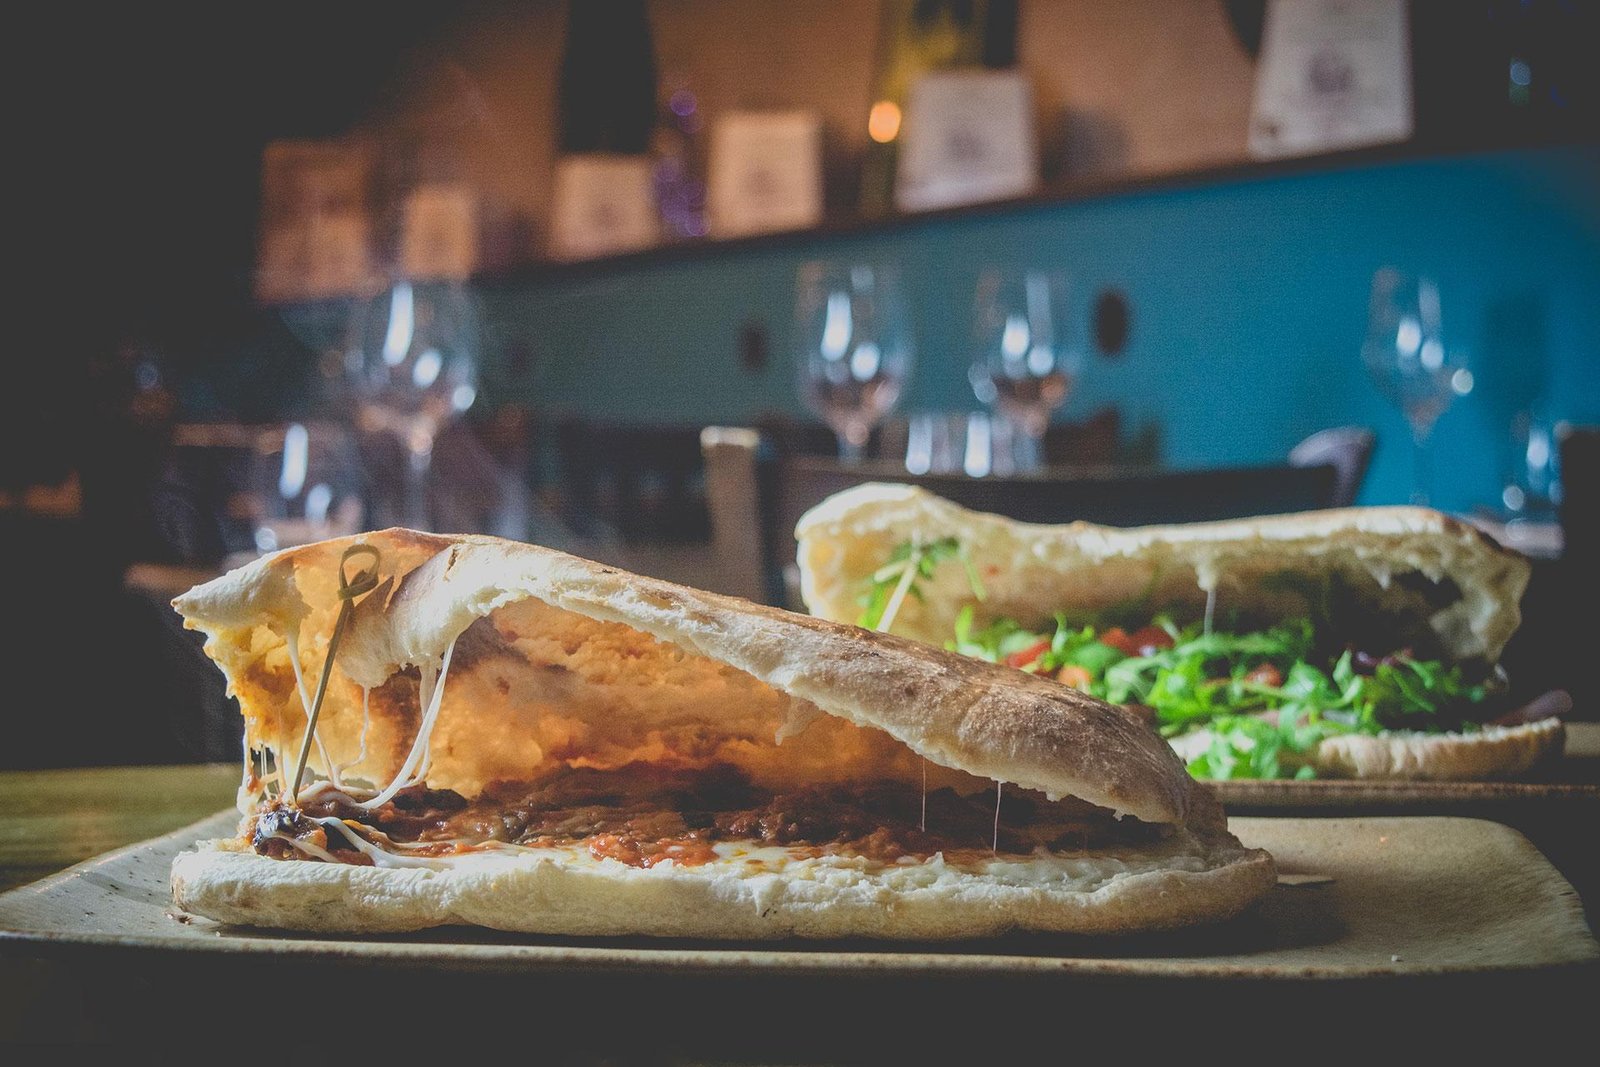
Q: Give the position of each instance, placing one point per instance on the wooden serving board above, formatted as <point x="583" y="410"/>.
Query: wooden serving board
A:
<point x="1379" y="896"/>
<point x="1440" y="918"/>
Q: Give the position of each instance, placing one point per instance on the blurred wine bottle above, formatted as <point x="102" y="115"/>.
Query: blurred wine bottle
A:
<point x="608" y="79"/>
<point x="1505" y="72"/>
<point x="604" y="197"/>
<point x="915" y="37"/>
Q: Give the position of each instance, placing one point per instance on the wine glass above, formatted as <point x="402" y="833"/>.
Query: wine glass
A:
<point x="412" y="367"/>
<point x="307" y="486"/>
<point x="854" y="347"/>
<point x="1025" y="360"/>
<point x="1406" y="356"/>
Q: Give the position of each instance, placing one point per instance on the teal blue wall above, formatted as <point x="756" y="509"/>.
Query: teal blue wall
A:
<point x="1248" y="300"/>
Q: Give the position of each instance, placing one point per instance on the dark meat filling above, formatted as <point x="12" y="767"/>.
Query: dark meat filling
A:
<point x="642" y="815"/>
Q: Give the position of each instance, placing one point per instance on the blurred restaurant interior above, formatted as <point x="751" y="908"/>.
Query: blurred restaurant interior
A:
<point x="644" y="279"/>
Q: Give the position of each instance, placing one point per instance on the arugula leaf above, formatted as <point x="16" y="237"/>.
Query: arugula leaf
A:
<point x="1267" y="697"/>
<point x="910" y="563"/>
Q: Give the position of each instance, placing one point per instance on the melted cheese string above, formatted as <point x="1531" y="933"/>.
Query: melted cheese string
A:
<point x="405" y="775"/>
<point x="250" y="774"/>
<point x="923" y="826"/>
<point x="306" y="701"/>
<point x="885" y="621"/>
<point x="278" y="778"/>
<point x="316" y="851"/>
<point x="995" y="846"/>
<point x="434" y="689"/>
<point x="361" y="583"/>
<point x="366" y="724"/>
<point x="379" y="857"/>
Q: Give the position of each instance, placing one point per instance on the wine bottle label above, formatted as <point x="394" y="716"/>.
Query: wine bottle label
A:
<point x="967" y="137"/>
<point x="603" y="205"/>
<point x="1332" y="75"/>
<point x="766" y="172"/>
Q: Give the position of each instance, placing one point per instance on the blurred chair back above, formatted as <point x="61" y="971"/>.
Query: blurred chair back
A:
<point x="639" y="483"/>
<point x="782" y="488"/>
<point x="1580" y="498"/>
<point x="1347" y="449"/>
<point x="1094" y="441"/>
<point x="635" y="497"/>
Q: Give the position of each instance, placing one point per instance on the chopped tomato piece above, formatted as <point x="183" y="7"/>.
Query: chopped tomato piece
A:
<point x="1118" y="639"/>
<point x="1266" y="674"/>
<point x="1151" y="640"/>
<point x="1028" y="655"/>
<point x="1075" y="676"/>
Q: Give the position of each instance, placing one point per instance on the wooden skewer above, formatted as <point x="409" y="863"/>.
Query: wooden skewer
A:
<point x="364" y="582"/>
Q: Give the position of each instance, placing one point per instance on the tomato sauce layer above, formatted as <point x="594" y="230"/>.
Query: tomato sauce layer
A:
<point x="643" y="815"/>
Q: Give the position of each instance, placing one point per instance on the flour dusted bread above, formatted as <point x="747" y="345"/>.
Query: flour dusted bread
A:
<point x="1457" y="589"/>
<point x="1196" y="875"/>
<point x="1439" y="584"/>
<point x="534" y="662"/>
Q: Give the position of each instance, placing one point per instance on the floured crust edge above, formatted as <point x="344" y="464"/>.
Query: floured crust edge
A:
<point x="546" y="896"/>
<point x="958" y="712"/>
<point x="844" y="538"/>
<point x="1494" y="752"/>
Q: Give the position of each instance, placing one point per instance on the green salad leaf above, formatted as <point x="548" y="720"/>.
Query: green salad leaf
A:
<point x="1265" y="697"/>
<point x="911" y="562"/>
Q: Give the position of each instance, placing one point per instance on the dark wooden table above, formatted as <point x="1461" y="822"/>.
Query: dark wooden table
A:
<point x="52" y="819"/>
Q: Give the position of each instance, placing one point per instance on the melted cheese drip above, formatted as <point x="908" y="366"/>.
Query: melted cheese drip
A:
<point x="923" y="825"/>
<point x="366" y="725"/>
<point x="414" y="769"/>
<point x="307" y="847"/>
<point x="380" y="857"/>
<point x="995" y="845"/>
<point x="748" y="859"/>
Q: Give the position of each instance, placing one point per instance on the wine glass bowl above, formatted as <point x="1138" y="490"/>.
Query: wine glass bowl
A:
<point x="307" y="486"/>
<point x="854" y="349"/>
<point x="1025" y="360"/>
<point x="1406" y="357"/>
<point x="411" y="363"/>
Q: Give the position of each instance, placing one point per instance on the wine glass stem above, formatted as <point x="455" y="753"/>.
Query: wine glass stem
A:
<point x="1028" y="449"/>
<point x="1421" y="465"/>
<point x="419" y="465"/>
<point x="853" y="443"/>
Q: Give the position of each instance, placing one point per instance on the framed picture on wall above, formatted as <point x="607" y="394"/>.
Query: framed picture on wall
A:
<point x="603" y="205"/>
<point x="315" y="229"/>
<point x="439" y="235"/>
<point x="967" y="137"/>
<point x="765" y="172"/>
<point x="1333" y="74"/>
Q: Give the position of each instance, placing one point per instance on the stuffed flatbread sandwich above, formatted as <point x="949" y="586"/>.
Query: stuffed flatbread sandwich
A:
<point x="1361" y="642"/>
<point x="516" y="738"/>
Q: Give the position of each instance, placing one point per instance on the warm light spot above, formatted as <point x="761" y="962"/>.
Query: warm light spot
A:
<point x="883" y="122"/>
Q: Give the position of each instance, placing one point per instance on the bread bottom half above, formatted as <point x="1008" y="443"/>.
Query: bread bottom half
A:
<point x="1493" y="752"/>
<point x="1183" y="880"/>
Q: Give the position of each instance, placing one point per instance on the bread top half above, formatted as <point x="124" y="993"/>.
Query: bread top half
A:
<point x="1435" y="583"/>
<point x="557" y="661"/>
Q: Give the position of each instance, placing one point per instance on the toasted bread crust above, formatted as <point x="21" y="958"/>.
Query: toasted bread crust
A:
<point x="1411" y="561"/>
<point x="1032" y="570"/>
<point x="1493" y="752"/>
<point x="557" y="660"/>
<point x="1192" y="879"/>
<point x="951" y="710"/>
